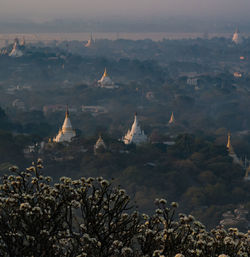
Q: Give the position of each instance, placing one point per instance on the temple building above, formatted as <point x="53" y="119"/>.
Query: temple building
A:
<point x="135" y="135"/>
<point x="90" y="42"/>
<point x="16" y="52"/>
<point x="66" y="133"/>
<point x="99" y="145"/>
<point x="106" y="81"/>
<point x="172" y="119"/>
<point x="237" y="39"/>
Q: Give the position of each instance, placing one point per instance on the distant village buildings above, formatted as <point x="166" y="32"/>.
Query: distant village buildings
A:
<point x="94" y="109"/>
<point x="57" y="108"/>
<point x="236" y="218"/>
<point x="18" y="104"/>
<point x="192" y="81"/>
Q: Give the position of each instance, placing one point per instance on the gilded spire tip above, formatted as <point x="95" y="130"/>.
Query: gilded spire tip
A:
<point x="67" y="111"/>
<point x="105" y="72"/>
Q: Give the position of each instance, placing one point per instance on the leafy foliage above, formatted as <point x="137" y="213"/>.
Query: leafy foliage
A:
<point x="91" y="217"/>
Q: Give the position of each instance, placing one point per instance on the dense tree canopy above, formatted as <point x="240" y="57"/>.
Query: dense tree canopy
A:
<point x="91" y="217"/>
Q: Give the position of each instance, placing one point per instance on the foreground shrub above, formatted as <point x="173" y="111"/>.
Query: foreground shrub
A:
<point x="91" y="217"/>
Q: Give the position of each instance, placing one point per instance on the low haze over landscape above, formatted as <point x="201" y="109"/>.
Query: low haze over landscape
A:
<point x="125" y="128"/>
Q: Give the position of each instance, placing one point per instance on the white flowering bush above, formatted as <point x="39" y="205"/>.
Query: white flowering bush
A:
<point x="33" y="215"/>
<point x="91" y="217"/>
<point x="105" y="223"/>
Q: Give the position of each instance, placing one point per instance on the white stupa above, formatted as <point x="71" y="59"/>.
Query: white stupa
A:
<point x="90" y="42"/>
<point x="135" y="135"/>
<point x="66" y="133"/>
<point x="106" y="81"/>
<point x="237" y="39"/>
<point x="16" y="52"/>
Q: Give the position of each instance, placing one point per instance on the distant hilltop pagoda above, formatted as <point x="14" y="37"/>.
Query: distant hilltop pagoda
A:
<point x="231" y="152"/>
<point x="99" y="145"/>
<point x="66" y="133"/>
<point x="16" y="51"/>
<point x="135" y="135"/>
<point x="106" y="81"/>
<point x="237" y="39"/>
<point x="90" y="42"/>
<point x="172" y="120"/>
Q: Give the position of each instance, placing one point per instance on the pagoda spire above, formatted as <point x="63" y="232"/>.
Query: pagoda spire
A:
<point x="90" y="42"/>
<point x="237" y="39"/>
<point x="231" y="152"/>
<point x="229" y="145"/>
<point x="172" y="119"/>
<point x="105" y="74"/>
<point x="99" y="144"/>
<point x="67" y="111"/>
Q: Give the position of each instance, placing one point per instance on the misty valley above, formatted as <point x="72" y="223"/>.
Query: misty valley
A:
<point x="162" y="119"/>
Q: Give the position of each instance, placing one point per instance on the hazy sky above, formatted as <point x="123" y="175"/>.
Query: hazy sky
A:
<point x="50" y="9"/>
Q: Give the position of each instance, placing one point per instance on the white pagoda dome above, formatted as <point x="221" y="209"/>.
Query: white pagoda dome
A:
<point x="237" y="39"/>
<point x="66" y="133"/>
<point x="16" y="52"/>
<point x="135" y="135"/>
<point x="106" y="81"/>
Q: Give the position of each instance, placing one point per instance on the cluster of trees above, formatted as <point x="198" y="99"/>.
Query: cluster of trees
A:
<point x="91" y="217"/>
<point x="196" y="171"/>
